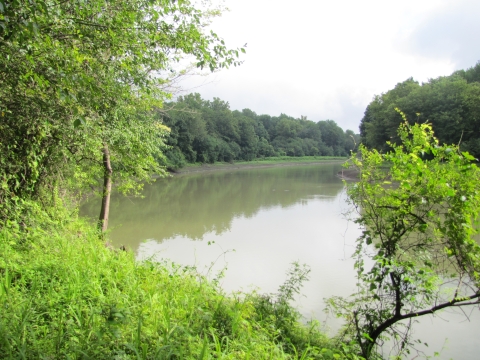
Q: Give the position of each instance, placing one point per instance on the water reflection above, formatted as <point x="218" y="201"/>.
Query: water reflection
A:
<point x="192" y="205"/>
<point x="254" y="222"/>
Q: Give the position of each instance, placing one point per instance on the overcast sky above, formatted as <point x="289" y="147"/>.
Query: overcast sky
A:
<point x="327" y="59"/>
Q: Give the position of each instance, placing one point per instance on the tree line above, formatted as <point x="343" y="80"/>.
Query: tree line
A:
<point x="207" y="131"/>
<point x="450" y="103"/>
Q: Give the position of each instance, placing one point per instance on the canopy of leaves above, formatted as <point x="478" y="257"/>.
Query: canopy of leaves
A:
<point x="451" y="104"/>
<point x="79" y="75"/>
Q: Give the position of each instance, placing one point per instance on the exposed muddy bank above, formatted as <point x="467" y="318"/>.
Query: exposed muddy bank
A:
<point x="253" y="165"/>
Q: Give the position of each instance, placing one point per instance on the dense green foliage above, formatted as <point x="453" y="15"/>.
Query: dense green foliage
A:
<point x="77" y="77"/>
<point x="64" y="295"/>
<point x="208" y="131"/>
<point x="79" y="83"/>
<point x="82" y="79"/>
<point x="417" y="253"/>
<point x="451" y="104"/>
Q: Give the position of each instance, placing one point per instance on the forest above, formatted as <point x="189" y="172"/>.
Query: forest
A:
<point x="208" y="131"/>
<point x="450" y="103"/>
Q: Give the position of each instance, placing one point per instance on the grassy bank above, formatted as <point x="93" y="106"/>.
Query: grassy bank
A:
<point x="264" y="162"/>
<point x="288" y="159"/>
<point x="65" y="295"/>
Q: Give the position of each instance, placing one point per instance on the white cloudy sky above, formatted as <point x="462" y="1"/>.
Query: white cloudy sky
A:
<point x="326" y="59"/>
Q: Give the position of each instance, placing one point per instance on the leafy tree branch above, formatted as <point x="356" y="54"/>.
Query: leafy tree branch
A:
<point x="418" y="206"/>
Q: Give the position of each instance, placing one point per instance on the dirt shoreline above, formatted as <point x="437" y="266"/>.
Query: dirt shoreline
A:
<point x="223" y="167"/>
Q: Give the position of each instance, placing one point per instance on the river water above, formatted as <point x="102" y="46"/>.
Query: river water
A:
<point x="251" y="224"/>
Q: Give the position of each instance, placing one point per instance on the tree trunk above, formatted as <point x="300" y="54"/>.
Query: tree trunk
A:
<point x="107" y="190"/>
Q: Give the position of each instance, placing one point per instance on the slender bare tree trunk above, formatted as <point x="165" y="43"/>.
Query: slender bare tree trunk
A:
<point x="107" y="190"/>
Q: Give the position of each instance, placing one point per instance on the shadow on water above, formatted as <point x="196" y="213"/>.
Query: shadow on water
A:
<point x="192" y="205"/>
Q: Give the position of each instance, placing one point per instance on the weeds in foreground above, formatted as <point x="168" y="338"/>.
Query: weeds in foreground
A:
<point x="64" y="295"/>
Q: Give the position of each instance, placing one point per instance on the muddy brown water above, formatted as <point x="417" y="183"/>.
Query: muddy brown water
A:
<point x="252" y="224"/>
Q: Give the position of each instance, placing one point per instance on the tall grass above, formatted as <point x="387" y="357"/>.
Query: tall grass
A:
<point x="64" y="295"/>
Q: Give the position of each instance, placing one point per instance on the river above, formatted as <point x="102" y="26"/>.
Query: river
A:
<point x="250" y="224"/>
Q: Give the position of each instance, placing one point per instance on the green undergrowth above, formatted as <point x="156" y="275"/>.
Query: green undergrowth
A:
<point x="65" y="295"/>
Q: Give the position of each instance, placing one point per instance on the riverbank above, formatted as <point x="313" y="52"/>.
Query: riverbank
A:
<point x="70" y="296"/>
<point x="260" y="163"/>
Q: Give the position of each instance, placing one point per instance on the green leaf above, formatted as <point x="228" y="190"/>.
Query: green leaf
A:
<point x="366" y="336"/>
<point x="467" y="156"/>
